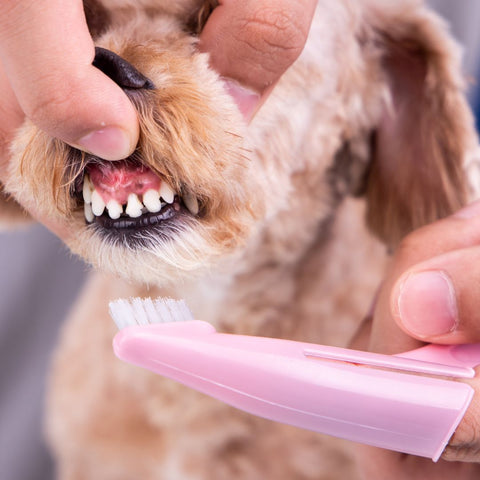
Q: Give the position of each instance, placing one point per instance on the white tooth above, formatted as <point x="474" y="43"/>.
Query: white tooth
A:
<point x="151" y="199"/>
<point x="98" y="205"/>
<point x="166" y="192"/>
<point x="114" y="209"/>
<point x="190" y="202"/>
<point x="87" y="209"/>
<point x="87" y="189"/>
<point x="134" y="206"/>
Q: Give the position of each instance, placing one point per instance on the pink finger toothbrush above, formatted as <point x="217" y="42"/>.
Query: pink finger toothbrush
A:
<point x="400" y="402"/>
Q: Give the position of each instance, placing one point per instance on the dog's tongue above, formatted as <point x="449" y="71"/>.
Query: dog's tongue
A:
<point x="117" y="180"/>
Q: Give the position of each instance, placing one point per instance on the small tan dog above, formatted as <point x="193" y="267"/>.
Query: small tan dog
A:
<point x="250" y="225"/>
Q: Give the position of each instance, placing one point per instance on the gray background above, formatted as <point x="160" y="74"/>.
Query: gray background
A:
<point x="38" y="282"/>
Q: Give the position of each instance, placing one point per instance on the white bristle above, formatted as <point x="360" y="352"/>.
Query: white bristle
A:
<point x="143" y="311"/>
<point x="149" y="308"/>
<point x="173" y="309"/>
<point x="121" y="312"/>
<point x="140" y="314"/>
<point x="162" y="310"/>
<point x="184" y="312"/>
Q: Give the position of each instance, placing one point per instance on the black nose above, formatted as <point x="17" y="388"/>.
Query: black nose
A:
<point x="119" y="70"/>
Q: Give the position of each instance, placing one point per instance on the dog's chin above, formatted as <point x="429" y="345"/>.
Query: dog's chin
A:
<point x="161" y="260"/>
<point x="132" y="221"/>
<point x="129" y="220"/>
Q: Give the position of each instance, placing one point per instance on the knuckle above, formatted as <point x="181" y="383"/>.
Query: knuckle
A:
<point x="412" y="246"/>
<point x="51" y="108"/>
<point x="271" y="30"/>
<point x="465" y="442"/>
<point x="47" y="106"/>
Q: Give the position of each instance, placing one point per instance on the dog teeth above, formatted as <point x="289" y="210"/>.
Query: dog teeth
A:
<point x="98" y="205"/>
<point x="87" y="209"/>
<point x="166" y="192"/>
<point x="134" y="206"/>
<point x="191" y="203"/>
<point x="114" y="209"/>
<point x="151" y="200"/>
<point x="87" y="189"/>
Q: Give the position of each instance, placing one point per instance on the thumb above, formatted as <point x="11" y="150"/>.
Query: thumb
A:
<point x="46" y="52"/>
<point x="432" y="289"/>
<point x="430" y="294"/>
<point x="254" y="42"/>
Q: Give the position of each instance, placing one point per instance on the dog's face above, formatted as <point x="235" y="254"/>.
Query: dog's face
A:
<point x="193" y="192"/>
<point x="183" y="196"/>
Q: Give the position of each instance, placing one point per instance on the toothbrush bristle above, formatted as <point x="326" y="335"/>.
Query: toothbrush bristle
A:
<point x="143" y="311"/>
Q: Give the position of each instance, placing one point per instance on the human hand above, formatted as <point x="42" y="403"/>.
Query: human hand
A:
<point x="252" y="43"/>
<point x="46" y="71"/>
<point x="431" y="294"/>
<point x="46" y="74"/>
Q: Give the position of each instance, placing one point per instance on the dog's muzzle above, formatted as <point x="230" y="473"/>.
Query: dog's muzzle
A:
<point x="127" y="198"/>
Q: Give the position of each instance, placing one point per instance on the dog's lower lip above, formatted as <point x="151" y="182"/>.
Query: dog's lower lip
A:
<point x="126" y="224"/>
<point x="144" y="231"/>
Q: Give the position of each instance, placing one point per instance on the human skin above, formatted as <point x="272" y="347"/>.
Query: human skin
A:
<point x="430" y="294"/>
<point x="246" y="41"/>
<point x="251" y="43"/>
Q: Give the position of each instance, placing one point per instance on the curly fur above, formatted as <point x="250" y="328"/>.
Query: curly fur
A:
<point x="374" y="107"/>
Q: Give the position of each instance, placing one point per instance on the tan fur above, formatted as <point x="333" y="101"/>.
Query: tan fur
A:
<point x="423" y="72"/>
<point x="279" y="250"/>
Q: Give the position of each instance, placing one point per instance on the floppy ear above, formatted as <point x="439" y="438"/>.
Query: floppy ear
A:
<point x="426" y="132"/>
<point x="200" y="16"/>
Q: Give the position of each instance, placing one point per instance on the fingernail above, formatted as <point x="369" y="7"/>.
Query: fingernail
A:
<point x="109" y="143"/>
<point x="247" y="100"/>
<point x="426" y="304"/>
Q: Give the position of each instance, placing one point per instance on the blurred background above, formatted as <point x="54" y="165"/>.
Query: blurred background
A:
<point x="39" y="281"/>
<point x="463" y="18"/>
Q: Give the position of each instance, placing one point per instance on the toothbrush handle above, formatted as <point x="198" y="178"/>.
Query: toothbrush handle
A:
<point x="274" y="379"/>
<point x="463" y="355"/>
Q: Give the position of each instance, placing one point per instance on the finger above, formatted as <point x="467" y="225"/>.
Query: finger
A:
<point x="11" y="117"/>
<point x="380" y="464"/>
<point x="438" y="300"/>
<point x="254" y="43"/>
<point x="47" y="54"/>
<point x="464" y="446"/>
<point x="362" y="336"/>
<point x="430" y="291"/>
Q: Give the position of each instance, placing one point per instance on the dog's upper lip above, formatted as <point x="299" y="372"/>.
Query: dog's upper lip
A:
<point x="117" y="180"/>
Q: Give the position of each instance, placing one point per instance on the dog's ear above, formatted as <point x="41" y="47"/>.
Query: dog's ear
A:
<point x="200" y="16"/>
<point x="426" y="131"/>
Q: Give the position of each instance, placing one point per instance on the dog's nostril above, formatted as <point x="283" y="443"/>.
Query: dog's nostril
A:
<point x="119" y="70"/>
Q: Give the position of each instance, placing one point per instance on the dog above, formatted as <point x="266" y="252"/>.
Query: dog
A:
<point x="281" y="227"/>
